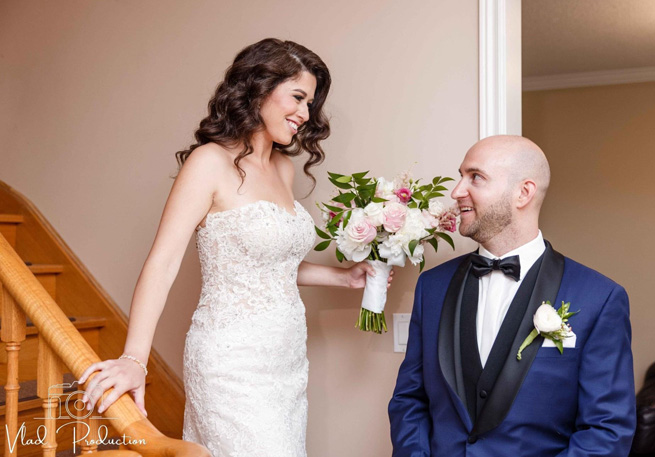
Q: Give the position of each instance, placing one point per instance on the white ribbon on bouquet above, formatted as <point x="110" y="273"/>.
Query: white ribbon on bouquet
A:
<point x="375" y="291"/>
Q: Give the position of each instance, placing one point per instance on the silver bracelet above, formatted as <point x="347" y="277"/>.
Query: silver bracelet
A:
<point x="134" y="359"/>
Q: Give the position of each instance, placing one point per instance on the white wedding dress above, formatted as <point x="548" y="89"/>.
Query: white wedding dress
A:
<point x="245" y="362"/>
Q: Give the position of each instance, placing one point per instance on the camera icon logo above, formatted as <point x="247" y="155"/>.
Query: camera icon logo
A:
<point x="69" y="403"/>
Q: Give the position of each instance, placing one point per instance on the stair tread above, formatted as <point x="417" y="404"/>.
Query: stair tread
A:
<point x="45" y="268"/>
<point x="80" y="322"/>
<point x="11" y="218"/>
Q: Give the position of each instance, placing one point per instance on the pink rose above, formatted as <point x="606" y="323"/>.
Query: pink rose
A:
<point x="448" y="221"/>
<point x="361" y="231"/>
<point x="394" y="216"/>
<point x="449" y="224"/>
<point x="404" y="194"/>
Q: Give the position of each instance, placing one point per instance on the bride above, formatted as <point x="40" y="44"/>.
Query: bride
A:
<point x="245" y="364"/>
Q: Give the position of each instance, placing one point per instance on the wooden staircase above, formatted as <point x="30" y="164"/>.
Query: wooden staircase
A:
<point x="56" y="320"/>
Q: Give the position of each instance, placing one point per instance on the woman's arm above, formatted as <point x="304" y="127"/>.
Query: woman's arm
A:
<point x="188" y="203"/>
<point x="311" y="274"/>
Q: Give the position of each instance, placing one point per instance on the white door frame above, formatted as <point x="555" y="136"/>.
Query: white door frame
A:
<point x="500" y="67"/>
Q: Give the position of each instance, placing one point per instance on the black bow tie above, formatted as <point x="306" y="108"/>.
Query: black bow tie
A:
<point x="481" y="266"/>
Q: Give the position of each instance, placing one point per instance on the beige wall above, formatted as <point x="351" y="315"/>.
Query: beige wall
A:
<point x="98" y="95"/>
<point x="599" y="211"/>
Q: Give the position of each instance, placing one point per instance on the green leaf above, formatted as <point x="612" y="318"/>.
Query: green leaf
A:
<point x="322" y="245"/>
<point x="360" y="175"/>
<point x="366" y="195"/>
<point x="433" y="242"/>
<point x="412" y="204"/>
<point x="322" y="234"/>
<point x="421" y="265"/>
<point x="334" y="209"/>
<point x="559" y="345"/>
<point x="436" y="180"/>
<point x="340" y="185"/>
<point x="344" y="198"/>
<point x="446" y="238"/>
<point x="344" y="179"/>
<point x="340" y="256"/>
<point x="334" y="175"/>
<point x="366" y="187"/>
<point x="445" y="179"/>
<point x="347" y="218"/>
<point x="432" y="195"/>
<point x="378" y="200"/>
<point x="412" y="246"/>
<point x="439" y="188"/>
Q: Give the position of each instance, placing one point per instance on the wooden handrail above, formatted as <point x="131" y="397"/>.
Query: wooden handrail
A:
<point x="60" y="334"/>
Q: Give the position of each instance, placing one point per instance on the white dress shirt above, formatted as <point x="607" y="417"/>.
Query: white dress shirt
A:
<point x="497" y="291"/>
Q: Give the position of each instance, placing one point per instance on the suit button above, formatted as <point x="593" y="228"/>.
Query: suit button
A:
<point x="483" y="394"/>
<point x="472" y="439"/>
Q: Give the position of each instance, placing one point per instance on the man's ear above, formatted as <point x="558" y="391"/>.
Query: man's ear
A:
<point x="528" y="190"/>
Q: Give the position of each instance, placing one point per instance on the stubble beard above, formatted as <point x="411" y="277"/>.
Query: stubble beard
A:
<point x="489" y="223"/>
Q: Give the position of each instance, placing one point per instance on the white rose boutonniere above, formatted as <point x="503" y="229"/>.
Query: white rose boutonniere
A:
<point x="551" y="324"/>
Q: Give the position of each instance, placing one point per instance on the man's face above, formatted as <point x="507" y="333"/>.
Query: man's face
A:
<point x="483" y="195"/>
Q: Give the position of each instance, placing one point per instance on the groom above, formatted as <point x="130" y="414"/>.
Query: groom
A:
<point x="461" y="390"/>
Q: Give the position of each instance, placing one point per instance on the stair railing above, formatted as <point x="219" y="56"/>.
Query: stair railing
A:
<point x="60" y="346"/>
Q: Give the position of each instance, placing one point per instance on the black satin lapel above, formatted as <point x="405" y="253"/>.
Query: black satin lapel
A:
<point x="448" y="346"/>
<point x="514" y="371"/>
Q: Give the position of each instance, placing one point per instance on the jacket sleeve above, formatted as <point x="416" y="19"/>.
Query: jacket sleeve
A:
<point x="409" y="410"/>
<point x="605" y="421"/>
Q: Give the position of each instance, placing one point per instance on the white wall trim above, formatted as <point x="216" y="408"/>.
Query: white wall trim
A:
<point x="500" y="59"/>
<point x="591" y="78"/>
<point x="493" y="101"/>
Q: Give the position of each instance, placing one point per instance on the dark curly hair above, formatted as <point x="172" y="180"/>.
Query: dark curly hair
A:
<point x="234" y="109"/>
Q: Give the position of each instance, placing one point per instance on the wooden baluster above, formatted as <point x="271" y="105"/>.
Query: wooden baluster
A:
<point x="12" y="334"/>
<point x="90" y="443"/>
<point x="50" y="377"/>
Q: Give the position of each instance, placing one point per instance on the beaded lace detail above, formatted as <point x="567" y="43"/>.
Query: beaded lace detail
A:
<point x="245" y="362"/>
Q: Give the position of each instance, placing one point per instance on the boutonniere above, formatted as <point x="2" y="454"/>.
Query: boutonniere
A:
<point x="551" y="325"/>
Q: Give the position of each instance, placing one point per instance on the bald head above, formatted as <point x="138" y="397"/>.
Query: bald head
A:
<point x="520" y="158"/>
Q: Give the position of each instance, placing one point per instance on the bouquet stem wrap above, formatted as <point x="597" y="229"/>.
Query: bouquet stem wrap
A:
<point x="371" y="316"/>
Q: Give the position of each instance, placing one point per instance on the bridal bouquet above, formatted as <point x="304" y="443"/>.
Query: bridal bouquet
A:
<point x="385" y="223"/>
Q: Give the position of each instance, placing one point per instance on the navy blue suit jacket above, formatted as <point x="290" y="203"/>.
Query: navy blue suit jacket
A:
<point x="577" y="404"/>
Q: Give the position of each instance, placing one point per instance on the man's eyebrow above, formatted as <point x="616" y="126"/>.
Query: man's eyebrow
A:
<point x="473" y="170"/>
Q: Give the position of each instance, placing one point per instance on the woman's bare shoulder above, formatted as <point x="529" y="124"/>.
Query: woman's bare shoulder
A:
<point x="210" y="161"/>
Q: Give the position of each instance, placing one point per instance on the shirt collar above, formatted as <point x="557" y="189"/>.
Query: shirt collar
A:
<point x="528" y="253"/>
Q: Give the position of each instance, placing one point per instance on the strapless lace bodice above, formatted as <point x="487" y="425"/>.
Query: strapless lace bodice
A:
<point x="249" y="258"/>
<point x="245" y="363"/>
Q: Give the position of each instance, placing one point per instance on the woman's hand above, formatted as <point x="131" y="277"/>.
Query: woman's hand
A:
<point x="123" y="375"/>
<point x="355" y="276"/>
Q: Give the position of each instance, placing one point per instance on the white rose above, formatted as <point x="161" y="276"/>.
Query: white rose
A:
<point x="350" y="248"/>
<point x="374" y="213"/>
<point x="429" y="220"/>
<point x="546" y="319"/>
<point x="436" y="208"/>
<point x="353" y="241"/>
<point x="392" y="250"/>
<point x="414" y="227"/>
